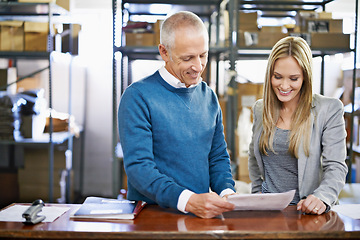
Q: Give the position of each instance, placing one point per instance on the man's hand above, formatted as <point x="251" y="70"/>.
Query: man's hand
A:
<point x="208" y="205"/>
<point x="311" y="205"/>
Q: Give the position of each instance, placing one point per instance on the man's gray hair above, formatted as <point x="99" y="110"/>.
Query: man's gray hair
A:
<point x="175" y="21"/>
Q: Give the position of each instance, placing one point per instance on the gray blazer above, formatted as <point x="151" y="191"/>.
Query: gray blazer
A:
<point x="323" y="173"/>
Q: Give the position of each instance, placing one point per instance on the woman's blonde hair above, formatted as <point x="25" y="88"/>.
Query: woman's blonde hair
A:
<point x="300" y="124"/>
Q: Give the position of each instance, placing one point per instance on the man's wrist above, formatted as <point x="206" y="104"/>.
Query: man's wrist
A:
<point x="183" y="200"/>
<point x="226" y="192"/>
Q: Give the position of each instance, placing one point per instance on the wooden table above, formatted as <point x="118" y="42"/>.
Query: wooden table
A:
<point x="155" y="222"/>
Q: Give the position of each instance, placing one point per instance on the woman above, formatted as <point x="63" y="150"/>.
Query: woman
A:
<point x="298" y="139"/>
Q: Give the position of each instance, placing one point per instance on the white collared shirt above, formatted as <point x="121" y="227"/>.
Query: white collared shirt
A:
<point x="172" y="80"/>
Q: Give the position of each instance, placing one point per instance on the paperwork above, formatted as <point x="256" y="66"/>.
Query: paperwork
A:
<point x="350" y="210"/>
<point x="262" y="201"/>
<point x="14" y="213"/>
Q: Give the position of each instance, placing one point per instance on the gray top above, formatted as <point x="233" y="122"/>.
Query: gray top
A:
<point x="281" y="169"/>
<point x="323" y="172"/>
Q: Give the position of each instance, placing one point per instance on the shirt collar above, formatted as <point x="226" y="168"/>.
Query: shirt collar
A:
<point x="173" y="81"/>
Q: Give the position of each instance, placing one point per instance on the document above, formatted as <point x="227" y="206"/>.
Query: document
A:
<point x="108" y="209"/>
<point x="14" y="213"/>
<point x="262" y="201"/>
<point x="350" y="210"/>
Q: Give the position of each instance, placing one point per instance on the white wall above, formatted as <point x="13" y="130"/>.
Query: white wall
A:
<point x="96" y="54"/>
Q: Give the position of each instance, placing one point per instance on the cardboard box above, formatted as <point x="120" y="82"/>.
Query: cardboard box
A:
<point x="330" y="40"/>
<point x="248" y="93"/>
<point x="324" y="25"/>
<point x="268" y="39"/>
<point x="248" y="21"/>
<point x="12" y="36"/>
<point x="157" y="25"/>
<point x="273" y="29"/>
<point x="259" y="39"/>
<point x="140" y="39"/>
<point x="156" y="28"/>
<point x="302" y="17"/>
<point x="31" y="189"/>
<point x="324" y="15"/>
<point x="66" y="4"/>
<point x="9" y="192"/>
<point x="305" y="36"/>
<point x="7" y="76"/>
<point x="36" y="36"/>
<point x="29" y="84"/>
<point x="33" y="178"/>
<point x="248" y="17"/>
<point x="38" y="158"/>
<point x="247" y="39"/>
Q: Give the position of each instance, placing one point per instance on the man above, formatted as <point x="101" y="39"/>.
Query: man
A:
<point x="170" y="127"/>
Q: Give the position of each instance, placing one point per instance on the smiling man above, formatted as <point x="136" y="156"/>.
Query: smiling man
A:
<point x="171" y="131"/>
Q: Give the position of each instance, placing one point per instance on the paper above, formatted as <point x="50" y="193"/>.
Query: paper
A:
<point x="106" y="208"/>
<point x="265" y="201"/>
<point x="14" y="213"/>
<point x="350" y="210"/>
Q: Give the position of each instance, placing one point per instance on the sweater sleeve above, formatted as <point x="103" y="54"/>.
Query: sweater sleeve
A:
<point x="219" y="160"/>
<point x="135" y="131"/>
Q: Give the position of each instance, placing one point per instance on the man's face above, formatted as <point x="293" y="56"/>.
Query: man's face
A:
<point x="188" y="57"/>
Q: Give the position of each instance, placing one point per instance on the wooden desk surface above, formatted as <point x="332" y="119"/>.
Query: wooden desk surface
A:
<point x="158" y="223"/>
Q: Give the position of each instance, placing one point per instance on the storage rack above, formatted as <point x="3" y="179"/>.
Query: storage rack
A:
<point x="277" y="8"/>
<point x="232" y="52"/>
<point x="46" y="12"/>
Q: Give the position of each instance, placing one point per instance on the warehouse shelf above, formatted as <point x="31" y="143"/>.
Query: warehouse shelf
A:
<point x="40" y="12"/>
<point x="277" y="9"/>
<point x="31" y="9"/>
<point x="231" y="53"/>
<point x="25" y="55"/>
<point x="57" y="138"/>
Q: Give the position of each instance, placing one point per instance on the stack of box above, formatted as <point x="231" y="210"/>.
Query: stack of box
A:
<point x="36" y="36"/>
<point x="250" y="35"/>
<point x="319" y="29"/>
<point x="24" y="36"/>
<point x="12" y="36"/>
<point x="9" y="117"/>
<point x="34" y="177"/>
<point x="142" y="34"/>
<point x="248" y="29"/>
<point x="28" y="36"/>
<point x="322" y="31"/>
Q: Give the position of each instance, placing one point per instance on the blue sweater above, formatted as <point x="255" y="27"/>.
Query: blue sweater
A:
<point x="172" y="139"/>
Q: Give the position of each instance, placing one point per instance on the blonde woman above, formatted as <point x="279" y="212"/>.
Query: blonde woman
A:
<point x="298" y="137"/>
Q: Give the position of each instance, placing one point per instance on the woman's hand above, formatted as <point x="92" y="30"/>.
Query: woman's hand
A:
<point x="311" y="205"/>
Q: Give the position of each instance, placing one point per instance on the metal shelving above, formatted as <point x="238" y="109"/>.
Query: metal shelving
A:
<point x="232" y="52"/>
<point x="277" y="8"/>
<point x="42" y="12"/>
